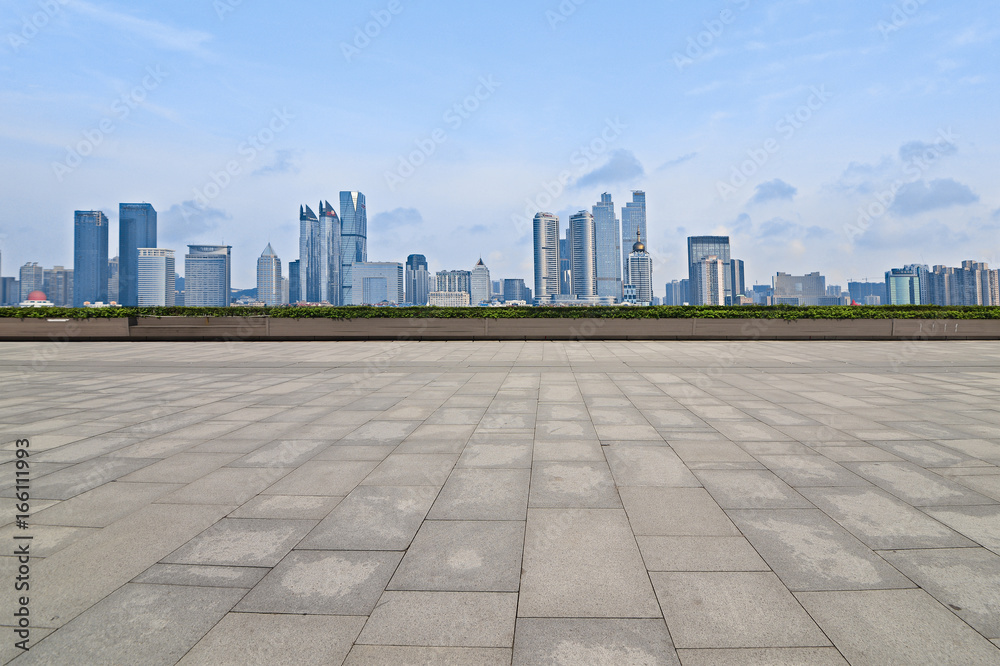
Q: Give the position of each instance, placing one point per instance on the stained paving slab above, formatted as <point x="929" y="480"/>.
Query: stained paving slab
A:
<point x="507" y="503"/>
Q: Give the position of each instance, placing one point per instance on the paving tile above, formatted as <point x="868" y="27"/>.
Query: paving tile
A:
<point x="181" y="468"/>
<point x="401" y="469"/>
<point x="927" y="454"/>
<point x="571" y="430"/>
<point x="750" y="489"/>
<point x="649" y="466"/>
<point x="202" y="576"/>
<point x="896" y="627"/>
<point x="569" y="451"/>
<point x="699" y="554"/>
<point x="327" y="478"/>
<point x="226" y="486"/>
<point x="376" y="433"/>
<point x="583" y="563"/>
<point x="240" y="542"/>
<point x="323" y="583"/>
<point x="806" y="471"/>
<point x="733" y="610"/>
<point x="287" y="507"/>
<point x="571" y="484"/>
<point x="282" y="453"/>
<point x="696" y="452"/>
<point x="463" y="556"/>
<point x="985" y="484"/>
<point x="387" y="655"/>
<point x="675" y="512"/>
<point x="763" y="657"/>
<point x="103" y="505"/>
<point x="128" y="627"/>
<point x="376" y="453"/>
<point x="881" y="521"/>
<point x="809" y="551"/>
<point x="917" y="486"/>
<point x="483" y="494"/>
<point x="844" y="454"/>
<point x="373" y="518"/>
<point x="442" y="619"/>
<point x="496" y="456"/>
<point x="595" y="641"/>
<point x="78" y="479"/>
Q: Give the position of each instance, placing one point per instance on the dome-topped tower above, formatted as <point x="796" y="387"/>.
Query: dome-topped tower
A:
<point x="639" y="245"/>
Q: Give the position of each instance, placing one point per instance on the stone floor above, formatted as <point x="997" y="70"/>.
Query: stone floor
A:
<point x="497" y="503"/>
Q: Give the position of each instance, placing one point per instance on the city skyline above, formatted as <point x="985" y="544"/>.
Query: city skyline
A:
<point x="827" y="106"/>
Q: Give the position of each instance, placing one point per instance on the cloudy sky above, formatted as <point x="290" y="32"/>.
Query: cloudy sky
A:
<point x="844" y="136"/>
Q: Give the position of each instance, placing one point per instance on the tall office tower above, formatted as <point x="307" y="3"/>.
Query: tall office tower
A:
<point x="640" y="271"/>
<point x="329" y="256"/>
<point x="354" y="248"/>
<point x="294" y="288"/>
<point x="678" y="293"/>
<point x="498" y="288"/>
<point x="454" y="281"/>
<point x="709" y="279"/>
<point x="207" y="270"/>
<point x="480" y="284"/>
<point x="90" y="258"/>
<point x="10" y="292"/>
<point x="860" y="291"/>
<point x="922" y="270"/>
<point x="378" y="282"/>
<point x="582" y="251"/>
<point x="113" y="281"/>
<point x="633" y="217"/>
<point x="702" y="247"/>
<point x="308" y="256"/>
<point x="136" y="229"/>
<point x="269" y="280"/>
<point x="799" y="289"/>
<point x="608" y="235"/>
<point x="58" y="286"/>
<point x="565" y="272"/>
<point x="737" y="280"/>
<point x="157" y="272"/>
<point x="547" y="258"/>
<point x="902" y="286"/>
<point x="418" y="280"/>
<point x="32" y="278"/>
<point x="515" y="290"/>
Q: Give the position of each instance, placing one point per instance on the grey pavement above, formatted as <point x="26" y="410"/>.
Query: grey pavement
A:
<point x="506" y="503"/>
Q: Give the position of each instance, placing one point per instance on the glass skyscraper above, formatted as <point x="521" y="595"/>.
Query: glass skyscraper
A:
<point x="329" y="253"/>
<point x="608" y="234"/>
<point x="308" y="276"/>
<point x="136" y="229"/>
<point x="418" y="280"/>
<point x="354" y="234"/>
<point x="583" y="257"/>
<point x="269" y="280"/>
<point x="156" y="277"/>
<point x="700" y="248"/>
<point x="90" y="258"/>
<point x="633" y="218"/>
<point x="547" y="256"/>
<point x="480" y="284"/>
<point x="207" y="270"/>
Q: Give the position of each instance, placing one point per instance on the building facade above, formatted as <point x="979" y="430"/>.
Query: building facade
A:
<point x="800" y="289"/>
<point x="90" y="258"/>
<point x="354" y="235"/>
<point x="515" y="290"/>
<point x="583" y="257"/>
<point x="481" y="286"/>
<point x="454" y="281"/>
<point x="418" y="280"/>
<point x="157" y="272"/>
<point x="31" y="278"/>
<point x="136" y="229"/>
<point x="269" y="279"/>
<point x="678" y="293"/>
<point x="608" y="240"/>
<point x="700" y="248"/>
<point x="378" y="282"/>
<point x="113" y="281"/>
<point x="294" y="285"/>
<point x="547" y="245"/>
<point x="902" y="287"/>
<point x="640" y="271"/>
<point x="207" y="275"/>
<point x="633" y="217"/>
<point x="58" y="286"/>
<point x="448" y="299"/>
<point x="709" y="280"/>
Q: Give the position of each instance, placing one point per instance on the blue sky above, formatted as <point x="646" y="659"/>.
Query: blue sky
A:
<point x="773" y="122"/>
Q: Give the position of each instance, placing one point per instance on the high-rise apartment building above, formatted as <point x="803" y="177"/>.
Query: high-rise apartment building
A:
<point x="418" y="280"/>
<point x="136" y="229"/>
<point x="354" y="234"/>
<point x="58" y="286"/>
<point x="971" y="285"/>
<point x="678" y="293"/>
<point x="207" y="275"/>
<point x="32" y="278"/>
<point x="269" y="278"/>
<point x="454" y="281"/>
<point x="608" y="240"/>
<point x="113" y="281"/>
<point x="565" y="271"/>
<point x="516" y="290"/>
<point x="640" y="271"/>
<point x="702" y="247"/>
<point x="480" y="284"/>
<point x="737" y="280"/>
<point x="583" y="258"/>
<point x="902" y="286"/>
<point x="157" y="271"/>
<point x="378" y="282"/>
<point x="799" y="289"/>
<point x="709" y="279"/>
<point x="90" y="258"/>
<point x="547" y="255"/>
<point x="862" y="291"/>
<point x="308" y="274"/>
<point x="294" y="285"/>
<point x="633" y="217"/>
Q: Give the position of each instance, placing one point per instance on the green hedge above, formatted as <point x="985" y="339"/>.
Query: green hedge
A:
<point x="665" y="312"/>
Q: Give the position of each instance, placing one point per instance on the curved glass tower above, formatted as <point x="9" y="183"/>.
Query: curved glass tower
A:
<point x="546" y="232"/>
<point x="583" y="256"/>
<point x="354" y="239"/>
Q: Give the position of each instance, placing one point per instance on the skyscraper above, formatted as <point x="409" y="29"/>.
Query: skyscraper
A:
<point x="329" y="255"/>
<point x="480" y="284"/>
<point x="58" y="286"/>
<point x="582" y="240"/>
<point x="294" y="288"/>
<point x="633" y="217"/>
<point x="902" y="286"/>
<point x="113" y="282"/>
<point x="454" y="281"/>
<point x="737" y="280"/>
<point x="207" y="270"/>
<point x="308" y="274"/>
<point x="136" y="229"/>
<point x="564" y="268"/>
<point x="640" y="271"/>
<point x="418" y="280"/>
<point x="608" y="235"/>
<point x="90" y="258"/>
<point x="31" y="278"/>
<point x="708" y="279"/>
<point x="378" y="282"/>
<point x="269" y="280"/>
<point x="547" y="257"/>
<point x="515" y="290"/>
<point x="157" y="272"/>
<point x="702" y="247"/>
<point x="354" y="248"/>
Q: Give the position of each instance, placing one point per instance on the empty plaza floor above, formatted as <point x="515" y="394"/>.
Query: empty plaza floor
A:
<point x="495" y="503"/>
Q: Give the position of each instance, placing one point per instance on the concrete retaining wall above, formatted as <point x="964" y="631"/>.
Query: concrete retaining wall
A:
<point x="186" y="329"/>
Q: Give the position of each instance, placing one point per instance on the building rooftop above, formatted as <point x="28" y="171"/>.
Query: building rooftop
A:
<point x="576" y="503"/>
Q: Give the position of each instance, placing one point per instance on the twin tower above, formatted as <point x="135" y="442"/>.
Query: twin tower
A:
<point x="329" y="247"/>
